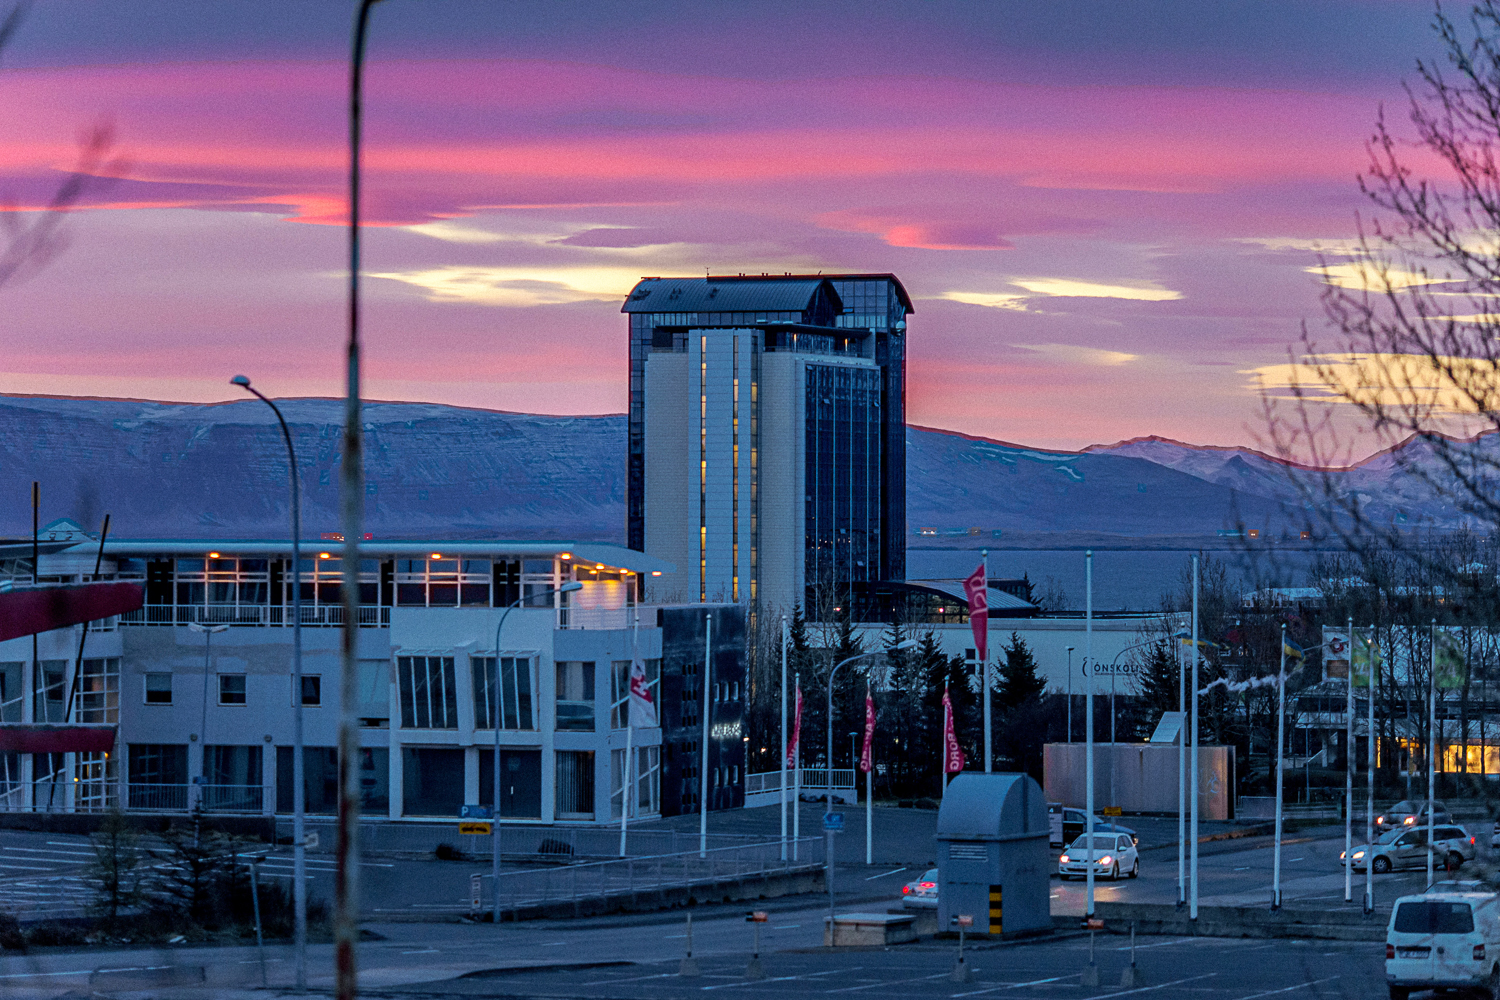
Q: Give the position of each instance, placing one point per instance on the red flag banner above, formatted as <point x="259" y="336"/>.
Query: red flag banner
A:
<point x="866" y="755"/>
<point x="976" y="589"/>
<point x="791" y="744"/>
<point x="953" y="754"/>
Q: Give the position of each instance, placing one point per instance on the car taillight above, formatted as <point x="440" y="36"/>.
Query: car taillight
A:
<point x="1390" y="951"/>
<point x="1479" y="953"/>
<point x="927" y="885"/>
<point x="1471" y="841"/>
<point x="906" y="890"/>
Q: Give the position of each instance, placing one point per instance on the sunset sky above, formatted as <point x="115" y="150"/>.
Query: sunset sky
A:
<point x="1106" y="213"/>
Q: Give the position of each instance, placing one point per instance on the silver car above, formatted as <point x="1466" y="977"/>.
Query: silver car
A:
<point x="922" y="893"/>
<point x="1407" y="848"/>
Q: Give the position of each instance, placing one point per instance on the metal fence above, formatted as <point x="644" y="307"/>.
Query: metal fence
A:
<point x="250" y="614"/>
<point x="233" y="798"/>
<point x="157" y="798"/>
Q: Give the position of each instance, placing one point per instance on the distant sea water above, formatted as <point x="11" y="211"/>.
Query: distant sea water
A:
<point x="1124" y="579"/>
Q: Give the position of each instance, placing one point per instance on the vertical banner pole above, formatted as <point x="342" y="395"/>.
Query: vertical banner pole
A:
<point x="984" y="666"/>
<point x="1370" y="784"/>
<point x="1182" y="738"/>
<point x="1192" y="784"/>
<point x="1280" y="756"/>
<point x="785" y="763"/>
<point x="708" y="644"/>
<point x="1349" y="774"/>
<point x="1432" y="747"/>
<point x="1088" y="720"/>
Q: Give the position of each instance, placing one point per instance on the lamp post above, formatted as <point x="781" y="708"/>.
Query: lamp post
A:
<point x="904" y="644"/>
<point x="493" y="709"/>
<point x="854" y="755"/>
<point x="299" y="793"/>
<point x="1112" y="665"/>
<point x="207" y="632"/>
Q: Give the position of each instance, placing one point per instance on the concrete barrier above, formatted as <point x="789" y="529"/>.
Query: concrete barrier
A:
<point x="1238" y="921"/>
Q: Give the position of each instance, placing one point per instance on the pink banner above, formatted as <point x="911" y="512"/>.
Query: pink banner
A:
<point x="791" y="744"/>
<point x="976" y="589"/>
<point x="866" y="755"/>
<point x="953" y="754"/>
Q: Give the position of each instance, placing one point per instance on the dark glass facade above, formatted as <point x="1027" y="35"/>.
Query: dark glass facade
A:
<point x="680" y="708"/>
<point x="843" y="542"/>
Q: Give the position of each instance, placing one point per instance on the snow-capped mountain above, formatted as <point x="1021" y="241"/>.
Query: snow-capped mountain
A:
<point x="188" y="470"/>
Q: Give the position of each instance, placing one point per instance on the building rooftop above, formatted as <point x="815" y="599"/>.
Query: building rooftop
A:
<point x="693" y="295"/>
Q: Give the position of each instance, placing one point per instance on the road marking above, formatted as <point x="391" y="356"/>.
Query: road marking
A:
<point x="27" y="868"/>
<point x="1290" y="860"/>
<point x="38" y="975"/>
<point x="42" y="850"/>
<point x="890" y="982"/>
<point x="1147" y="989"/>
<point x="421" y="951"/>
<point x="1159" y="944"/>
<point x="784" y="927"/>
<point x="631" y="979"/>
<point x="896" y="872"/>
<point x="1288" y="989"/>
<point x="782" y="979"/>
<point x="1244" y="869"/>
<point x="1016" y="986"/>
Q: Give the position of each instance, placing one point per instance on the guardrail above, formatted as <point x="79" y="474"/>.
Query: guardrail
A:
<point x="370" y="616"/>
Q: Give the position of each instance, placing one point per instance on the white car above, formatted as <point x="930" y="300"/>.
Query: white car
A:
<point x="1114" y="854"/>
<point x="922" y="893"/>
<point x="1443" y="940"/>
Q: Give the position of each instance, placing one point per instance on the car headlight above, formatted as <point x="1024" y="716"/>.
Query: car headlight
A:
<point x="1408" y="821"/>
<point x="1341" y="855"/>
<point x="1106" y="860"/>
<point x="1358" y="855"/>
<point x="1064" y="859"/>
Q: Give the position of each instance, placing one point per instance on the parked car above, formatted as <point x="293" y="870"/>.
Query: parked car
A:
<point x="1443" y="940"/>
<point x="1407" y="848"/>
<point x="1113" y="853"/>
<point x="922" y="893"/>
<point x="1068" y="824"/>
<point x="1410" y="812"/>
<point x="1495" y="836"/>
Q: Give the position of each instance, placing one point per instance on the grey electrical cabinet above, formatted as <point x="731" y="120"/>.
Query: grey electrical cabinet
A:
<point x="993" y="856"/>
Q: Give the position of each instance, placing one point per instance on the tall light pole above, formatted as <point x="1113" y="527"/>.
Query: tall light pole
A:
<point x="828" y="807"/>
<point x="781" y="756"/>
<point x="493" y="710"/>
<point x="299" y="794"/>
<point x="346" y="887"/>
<point x="207" y="631"/>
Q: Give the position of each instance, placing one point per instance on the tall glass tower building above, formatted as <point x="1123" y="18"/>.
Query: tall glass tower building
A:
<point x="767" y="447"/>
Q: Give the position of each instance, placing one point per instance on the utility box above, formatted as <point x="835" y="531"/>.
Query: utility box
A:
<point x="993" y="859"/>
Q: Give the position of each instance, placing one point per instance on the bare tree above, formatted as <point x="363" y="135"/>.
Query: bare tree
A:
<point x="29" y="240"/>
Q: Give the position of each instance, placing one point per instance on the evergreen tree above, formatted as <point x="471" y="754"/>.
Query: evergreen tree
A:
<point x="1019" y="680"/>
<point x="950" y="673"/>
<point x="898" y="718"/>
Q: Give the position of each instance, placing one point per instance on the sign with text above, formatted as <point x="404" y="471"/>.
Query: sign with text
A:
<point x="475" y="812"/>
<point x="833" y="822"/>
<point x="476" y="829"/>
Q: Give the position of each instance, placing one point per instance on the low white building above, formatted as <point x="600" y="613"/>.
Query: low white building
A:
<point x="207" y="718"/>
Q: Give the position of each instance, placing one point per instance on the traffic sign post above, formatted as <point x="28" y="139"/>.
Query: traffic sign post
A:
<point x="832" y="823"/>
<point x="754" y="969"/>
<point x="476" y="894"/>
<point x="961" y="971"/>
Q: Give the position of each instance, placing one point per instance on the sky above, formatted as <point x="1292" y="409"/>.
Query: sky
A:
<point x="1109" y="215"/>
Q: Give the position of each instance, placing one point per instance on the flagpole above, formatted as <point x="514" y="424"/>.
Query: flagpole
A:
<point x="1088" y="713"/>
<point x="708" y="645"/>
<point x="1431" y="746"/>
<point x="869" y="794"/>
<point x="626" y="789"/>
<point x="1349" y="775"/>
<point x="1182" y="737"/>
<point x="1193" y="762"/>
<point x="984" y="663"/>
<point x="797" y="773"/>
<point x="784" y="762"/>
<point x="1280" y="756"/>
<point x="1370" y="784"/>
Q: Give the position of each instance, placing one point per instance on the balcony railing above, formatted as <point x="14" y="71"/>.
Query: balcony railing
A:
<point x="275" y="615"/>
<point x="232" y="798"/>
<point x="157" y="798"/>
<point x="605" y="618"/>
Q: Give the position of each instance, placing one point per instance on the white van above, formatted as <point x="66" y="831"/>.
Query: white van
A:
<point x="1443" y="940"/>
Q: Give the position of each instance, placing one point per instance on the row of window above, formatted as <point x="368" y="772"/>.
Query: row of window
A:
<point x="95" y="699"/>
<point x="428" y="691"/>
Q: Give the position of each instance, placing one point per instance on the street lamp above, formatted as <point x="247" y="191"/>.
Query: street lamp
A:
<point x="299" y="793"/>
<point x="494" y="714"/>
<point x="904" y="644"/>
<point x="1112" y="665"/>
<point x="207" y="632"/>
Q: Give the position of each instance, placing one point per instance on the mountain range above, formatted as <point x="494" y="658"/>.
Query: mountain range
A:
<point x="177" y="470"/>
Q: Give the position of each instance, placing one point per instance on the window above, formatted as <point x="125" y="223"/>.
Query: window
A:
<point x="373" y="679"/>
<point x="49" y="691"/>
<point x="95" y="782"/>
<point x="158" y="689"/>
<point x="374" y="780"/>
<point x="432" y="781"/>
<point x="513" y="690"/>
<point x="648" y="781"/>
<point x="619" y="691"/>
<point x="10" y="691"/>
<point x="429" y="694"/>
<point x="1434" y="918"/>
<point x="575" y="695"/>
<point x="99" y="690"/>
<point x="312" y="689"/>
<point x="231" y="689"/>
<point x="320" y="779"/>
<point x="444" y="583"/>
<point x="575" y="784"/>
<point x="232" y="778"/>
<point x="157" y="776"/>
